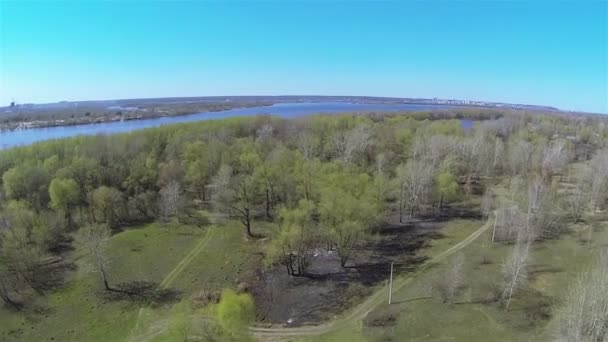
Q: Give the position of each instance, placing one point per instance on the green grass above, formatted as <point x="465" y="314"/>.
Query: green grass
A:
<point x="421" y="316"/>
<point x="554" y="264"/>
<point x="78" y="312"/>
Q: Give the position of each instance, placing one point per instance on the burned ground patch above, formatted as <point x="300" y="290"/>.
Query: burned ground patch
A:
<point x="328" y="289"/>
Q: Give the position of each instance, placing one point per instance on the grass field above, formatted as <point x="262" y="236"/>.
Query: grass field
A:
<point x="418" y="315"/>
<point x="80" y="312"/>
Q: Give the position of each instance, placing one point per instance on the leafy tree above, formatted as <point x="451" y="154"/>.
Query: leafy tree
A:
<point x="24" y="244"/>
<point x="297" y="238"/>
<point x="234" y="313"/>
<point x="235" y="195"/>
<point x="447" y="187"/>
<point x="348" y="206"/>
<point x="28" y="183"/>
<point x="108" y="205"/>
<point x="64" y="196"/>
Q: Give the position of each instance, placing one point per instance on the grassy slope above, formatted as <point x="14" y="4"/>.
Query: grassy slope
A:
<point x="223" y="262"/>
<point x="77" y="312"/>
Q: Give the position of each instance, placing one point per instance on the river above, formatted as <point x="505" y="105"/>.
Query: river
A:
<point x="28" y="136"/>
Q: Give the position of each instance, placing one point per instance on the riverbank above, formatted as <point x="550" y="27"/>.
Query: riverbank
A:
<point x="28" y="118"/>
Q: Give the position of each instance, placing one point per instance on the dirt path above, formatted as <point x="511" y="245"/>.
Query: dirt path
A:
<point x="279" y="333"/>
<point x="166" y="282"/>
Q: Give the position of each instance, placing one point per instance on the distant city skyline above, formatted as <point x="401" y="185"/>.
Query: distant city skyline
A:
<point x="536" y="52"/>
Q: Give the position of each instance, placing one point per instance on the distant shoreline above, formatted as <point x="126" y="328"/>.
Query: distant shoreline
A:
<point x="91" y="112"/>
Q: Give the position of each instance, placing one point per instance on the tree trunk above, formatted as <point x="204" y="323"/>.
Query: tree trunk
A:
<point x="248" y="223"/>
<point x="268" y="204"/>
<point x="401" y="207"/>
<point x="441" y="203"/>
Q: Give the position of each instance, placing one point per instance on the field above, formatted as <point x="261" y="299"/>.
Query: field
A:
<point x="81" y="311"/>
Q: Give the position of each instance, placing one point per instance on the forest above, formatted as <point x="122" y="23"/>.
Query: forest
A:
<point x="301" y="192"/>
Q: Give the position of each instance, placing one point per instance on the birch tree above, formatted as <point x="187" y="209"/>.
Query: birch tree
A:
<point x="414" y="181"/>
<point x="583" y="316"/>
<point x="95" y="238"/>
<point x="515" y="273"/>
<point x="169" y="200"/>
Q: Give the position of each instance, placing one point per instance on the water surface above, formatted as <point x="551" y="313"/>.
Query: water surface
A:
<point x="285" y="110"/>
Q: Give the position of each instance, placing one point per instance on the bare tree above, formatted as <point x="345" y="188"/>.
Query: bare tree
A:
<point x="514" y="269"/>
<point x="169" y="200"/>
<point x="554" y="158"/>
<point x="452" y="281"/>
<point x="350" y="145"/>
<point x="578" y="200"/>
<point x="599" y="178"/>
<point x="95" y="238"/>
<point x="414" y="181"/>
<point x="487" y="203"/>
<point x="499" y="150"/>
<point x="307" y="145"/>
<point x="583" y="315"/>
<point x="508" y="221"/>
<point x="519" y="155"/>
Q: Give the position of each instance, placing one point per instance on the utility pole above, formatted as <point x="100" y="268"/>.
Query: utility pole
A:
<point x="390" y="286"/>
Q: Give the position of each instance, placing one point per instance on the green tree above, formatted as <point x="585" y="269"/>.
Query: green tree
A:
<point x="447" y="187"/>
<point x="234" y="313"/>
<point x="24" y="244"/>
<point x="64" y="195"/>
<point x="28" y="183"/>
<point x="296" y="240"/>
<point x="235" y="195"/>
<point x="348" y="206"/>
<point x="107" y="205"/>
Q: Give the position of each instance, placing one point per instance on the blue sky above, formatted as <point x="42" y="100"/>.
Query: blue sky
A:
<point x="553" y="53"/>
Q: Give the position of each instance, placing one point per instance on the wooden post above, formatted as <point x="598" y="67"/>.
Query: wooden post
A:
<point x="390" y="286"/>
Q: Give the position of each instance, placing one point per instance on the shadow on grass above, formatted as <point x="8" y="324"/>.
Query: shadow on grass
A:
<point x="411" y="300"/>
<point x="143" y="292"/>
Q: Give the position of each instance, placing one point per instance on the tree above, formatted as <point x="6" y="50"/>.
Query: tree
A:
<point x="447" y="187"/>
<point x="554" y="158"/>
<point x="583" y="316"/>
<point x="578" y="200"/>
<point x="414" y="181"/>
<point x="347" y="208"/>
<point x="234" y="313"/>
<point x="169" y="200"/>
<point x="95" y="239"/>
<point x="296" y="240"/>
<point x="64" y="195"/>
<point x="452" y="281"/>
<point x="24" y="245"/>
<point x="235" y="195"/>
<point x="514" y="269"/>
<point x="28" y="183"/>
<point x="598" y="176"/>
<point x="265" y="176"/>
<point x="108" y="205"/>
<point x="201" y="160"/>
<point x="487" y="203"/>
